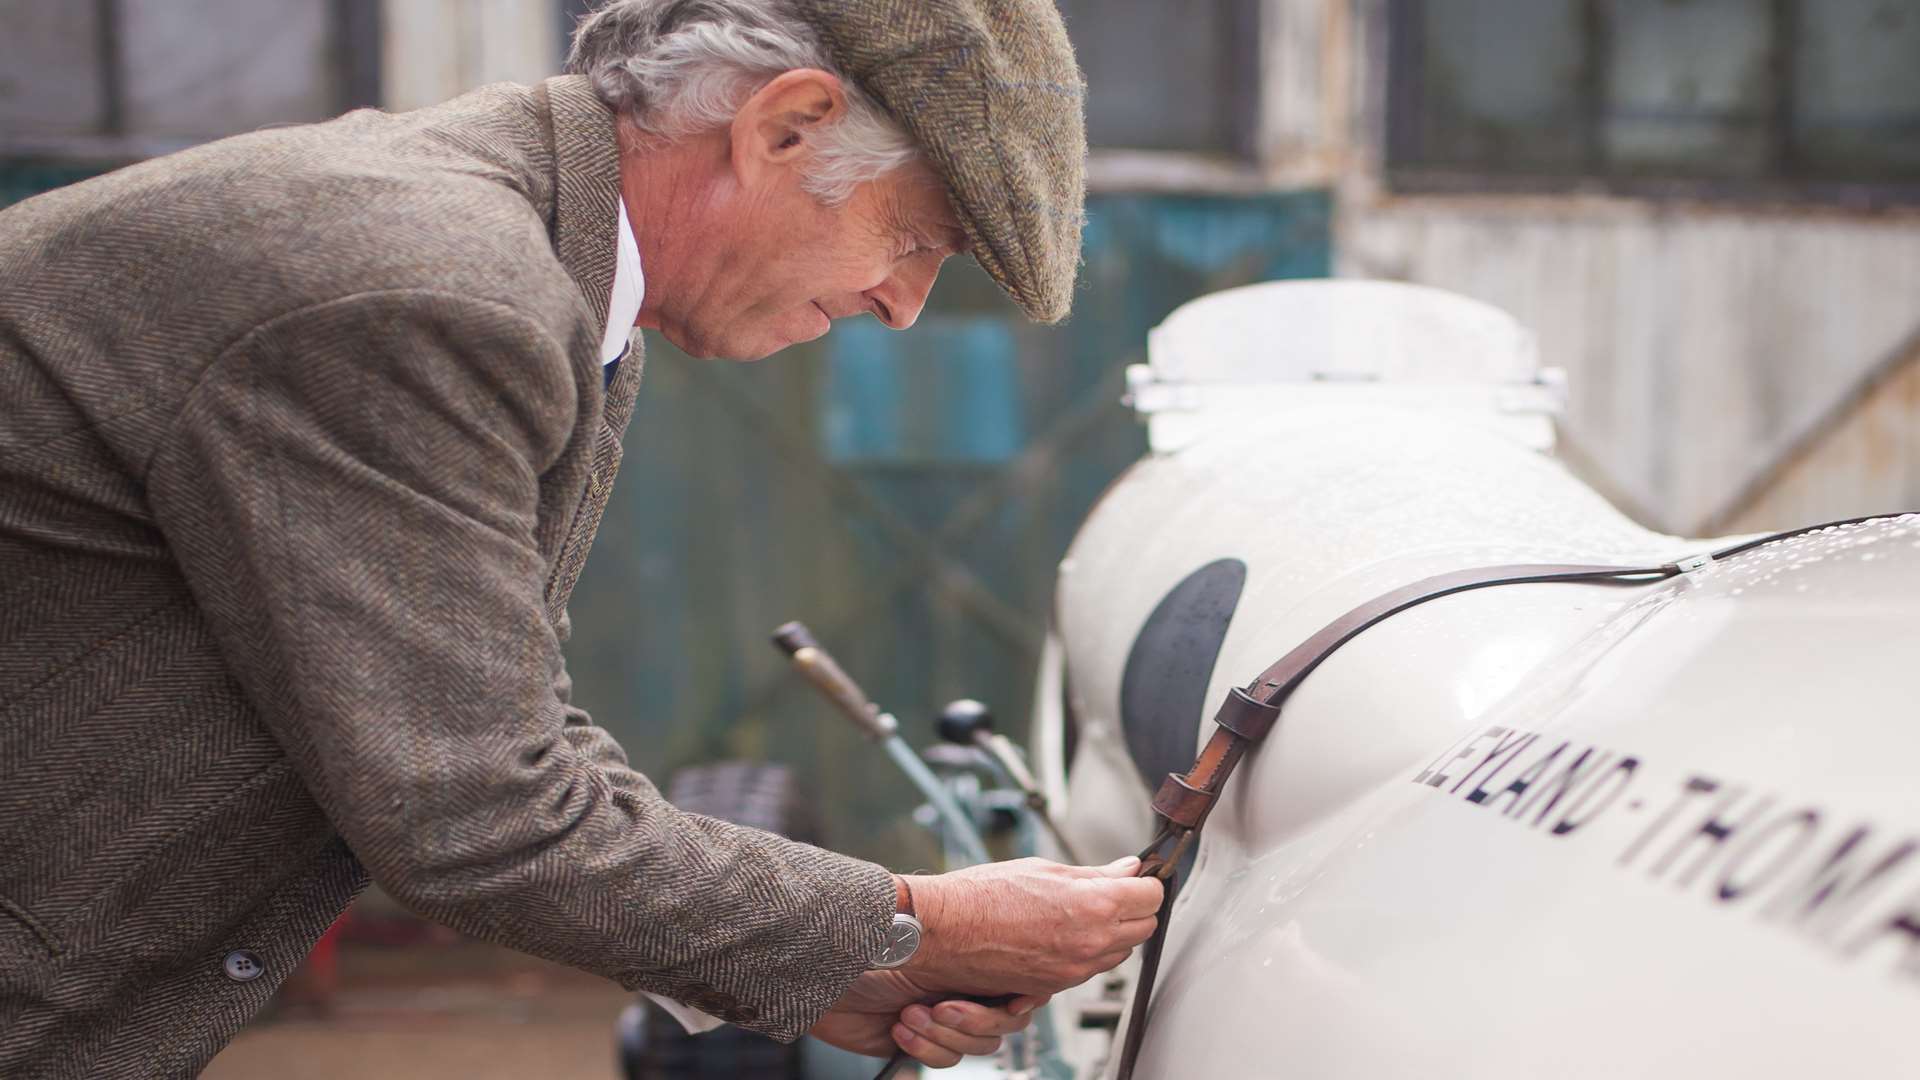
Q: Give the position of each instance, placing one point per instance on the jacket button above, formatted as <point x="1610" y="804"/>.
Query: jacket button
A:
<point x="243" y="966"/>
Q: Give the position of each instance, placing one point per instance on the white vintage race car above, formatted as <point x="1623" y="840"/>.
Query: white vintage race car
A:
<point x="1559" y="830"/>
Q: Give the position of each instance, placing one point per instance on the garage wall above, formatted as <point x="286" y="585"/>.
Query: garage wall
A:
<point x="1864" y="456"/>
<point x="432" y="50"/>
<point x="1708" y="341"/>
<point x="1701" y="344"/>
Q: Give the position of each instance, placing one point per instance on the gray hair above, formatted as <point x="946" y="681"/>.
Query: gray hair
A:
<point x="682" y="67"/>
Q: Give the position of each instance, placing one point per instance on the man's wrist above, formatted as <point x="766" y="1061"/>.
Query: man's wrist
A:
<point x="904" y="932"/>
<point x="923" y="892"/>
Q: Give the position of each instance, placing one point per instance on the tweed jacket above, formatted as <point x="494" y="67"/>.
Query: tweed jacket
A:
<point x="303" y="442"/>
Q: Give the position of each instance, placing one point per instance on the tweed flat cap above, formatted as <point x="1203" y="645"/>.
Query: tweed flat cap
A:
<point x="990" y="91"/>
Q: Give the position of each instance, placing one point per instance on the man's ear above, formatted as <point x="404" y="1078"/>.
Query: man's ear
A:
<point x="774" y="128"/>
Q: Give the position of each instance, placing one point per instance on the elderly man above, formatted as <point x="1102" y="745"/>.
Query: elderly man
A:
<point x="304" y="436"/>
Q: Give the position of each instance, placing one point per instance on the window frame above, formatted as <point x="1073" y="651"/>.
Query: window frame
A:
<point x="1788" y="181"/>
<point x="353" y="47"/>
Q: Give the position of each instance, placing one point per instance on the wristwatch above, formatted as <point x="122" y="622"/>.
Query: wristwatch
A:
<point x="903" y="937"/>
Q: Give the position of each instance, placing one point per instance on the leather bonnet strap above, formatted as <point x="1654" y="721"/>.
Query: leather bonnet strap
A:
<point x="1185" y="799"/>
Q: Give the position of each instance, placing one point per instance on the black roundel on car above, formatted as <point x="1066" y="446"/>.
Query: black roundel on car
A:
<point x="1164" y="687"/>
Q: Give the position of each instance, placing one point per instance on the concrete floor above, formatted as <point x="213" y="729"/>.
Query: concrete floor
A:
<point x="464" y="1011"/>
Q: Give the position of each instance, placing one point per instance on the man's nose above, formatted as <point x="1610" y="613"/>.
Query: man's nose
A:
<point x="897" y="301"/>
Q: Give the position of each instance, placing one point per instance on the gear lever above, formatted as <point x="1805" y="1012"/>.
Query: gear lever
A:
<point x="967" y="722"/>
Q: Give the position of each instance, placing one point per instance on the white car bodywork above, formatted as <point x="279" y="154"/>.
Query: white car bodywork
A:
<point x="1537" y="830"/>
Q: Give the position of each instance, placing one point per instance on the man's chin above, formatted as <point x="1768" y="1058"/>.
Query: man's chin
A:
<point x="751" y="354"/>
<point x="746" y="352"/>
<point x="701" y="348"/>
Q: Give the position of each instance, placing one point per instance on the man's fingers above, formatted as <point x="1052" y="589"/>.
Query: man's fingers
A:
<point x="923" y="1049"/>
<point x="1026" y="1003"/>
<point x="973" y="1018"/>
<point x="1136" y="897"/>
<point x="942" y="1038"/>
<point x="1111" y="960"/>
<point x="1035" y="926"/>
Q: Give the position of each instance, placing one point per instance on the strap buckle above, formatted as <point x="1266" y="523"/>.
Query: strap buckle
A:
<point x="1155" y="863"/>
<point x="1693" y="562"/>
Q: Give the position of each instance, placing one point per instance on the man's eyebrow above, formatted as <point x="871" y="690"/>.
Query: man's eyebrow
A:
<point x="942" y="234"/>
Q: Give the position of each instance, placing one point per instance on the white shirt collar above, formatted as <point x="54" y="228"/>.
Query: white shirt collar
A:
<point x="629" y="288"/>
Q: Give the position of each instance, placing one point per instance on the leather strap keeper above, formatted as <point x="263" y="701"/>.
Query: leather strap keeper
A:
<point x="1246" y="717"/>
<point x="1181" y="803"/>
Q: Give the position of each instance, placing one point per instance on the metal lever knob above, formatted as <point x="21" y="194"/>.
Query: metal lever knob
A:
<point x="968" y="723"/>
<point x="963" y="722"/>
<point x="818" y="667"/>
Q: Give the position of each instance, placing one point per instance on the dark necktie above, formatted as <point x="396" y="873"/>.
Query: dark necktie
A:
<point x="613" y="365"/>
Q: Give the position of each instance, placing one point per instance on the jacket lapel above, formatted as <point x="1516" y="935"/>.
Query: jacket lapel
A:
<point x="579" y="129"/>
<point x="607" y="452"/>
<point x="586" y="185"/>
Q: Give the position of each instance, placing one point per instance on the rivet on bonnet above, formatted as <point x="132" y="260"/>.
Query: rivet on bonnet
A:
<point x="990" y="91"/>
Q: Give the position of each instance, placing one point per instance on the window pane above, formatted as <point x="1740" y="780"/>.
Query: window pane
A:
<point x="1162" y="76"/>
<point x="49" y="70"/>
<point x="1857" y="89"/>
<point x="1689" y="87"/>
<point x="206" y="68"/>
<point x="1498" y="85"/>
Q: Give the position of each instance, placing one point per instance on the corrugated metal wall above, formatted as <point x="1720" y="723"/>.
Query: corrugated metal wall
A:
<point x="1863" y="458"/>
<point x="1701" y="344"/>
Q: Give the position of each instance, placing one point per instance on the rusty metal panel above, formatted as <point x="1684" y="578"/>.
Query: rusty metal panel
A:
<point x="1700" y="345"/>
<point x="1864" y="460"/>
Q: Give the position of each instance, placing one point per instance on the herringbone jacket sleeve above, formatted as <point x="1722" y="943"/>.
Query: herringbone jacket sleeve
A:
<point x="353" y="491"/>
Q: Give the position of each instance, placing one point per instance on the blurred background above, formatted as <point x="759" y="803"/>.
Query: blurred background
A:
<point x="1708" y="211"/>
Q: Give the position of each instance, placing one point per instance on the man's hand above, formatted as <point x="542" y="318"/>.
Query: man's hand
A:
<point x="1029" y="926"/>
<point x="887" y="1009"/>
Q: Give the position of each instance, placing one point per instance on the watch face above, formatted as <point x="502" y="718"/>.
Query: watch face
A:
<point x="903" y="939"/>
